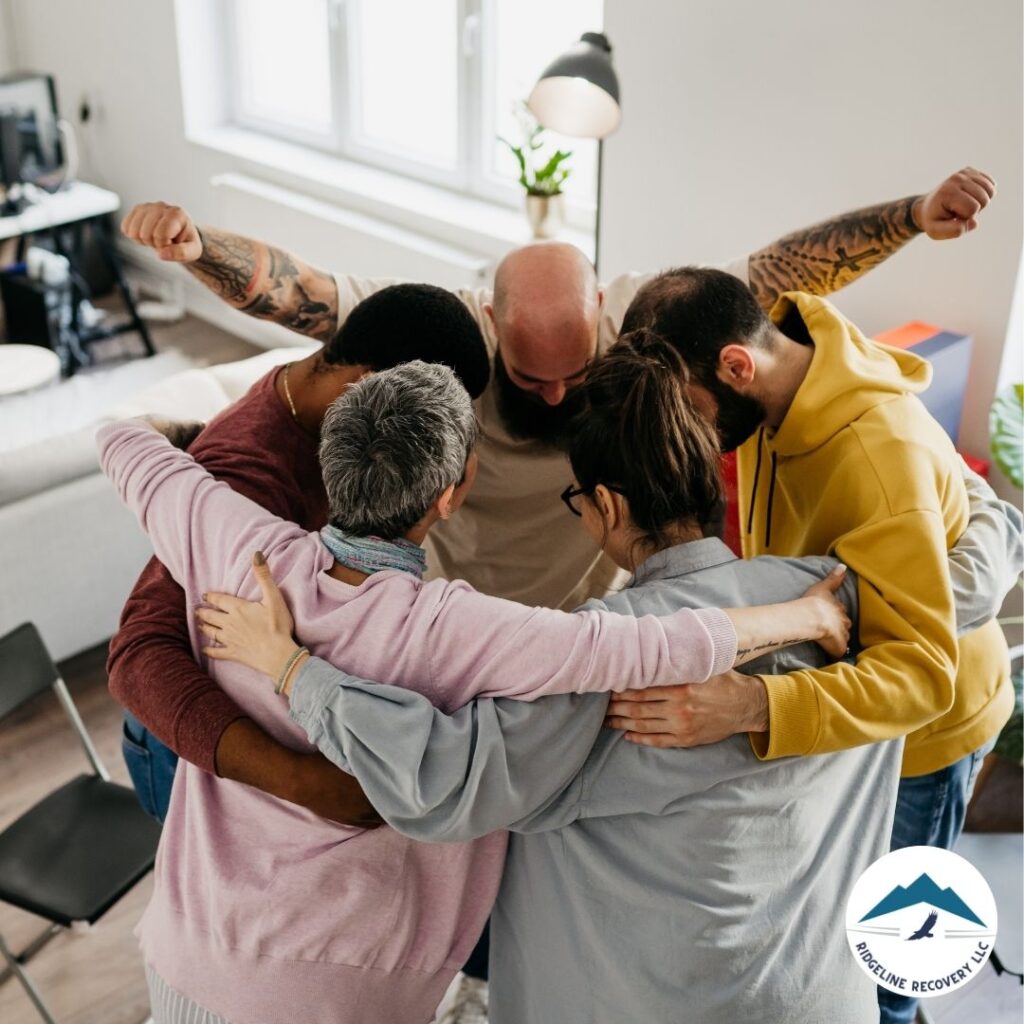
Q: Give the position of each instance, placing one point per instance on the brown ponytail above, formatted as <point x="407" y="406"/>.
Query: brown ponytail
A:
<point x="639" y="432"/>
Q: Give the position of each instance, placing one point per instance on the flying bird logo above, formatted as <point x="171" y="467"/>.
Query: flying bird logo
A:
<point x="925" y="931"/>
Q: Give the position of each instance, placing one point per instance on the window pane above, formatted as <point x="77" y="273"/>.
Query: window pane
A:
<point x="529" y="35"/>
<point x="405" y="80"/>
<point x="284" y="62"/>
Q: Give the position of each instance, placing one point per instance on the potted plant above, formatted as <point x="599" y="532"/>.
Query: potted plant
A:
<point x="542" y="184"/>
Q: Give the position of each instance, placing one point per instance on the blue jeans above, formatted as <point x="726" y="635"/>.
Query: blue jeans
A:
<point x="151" y="766"/>
<point x="930" y="811"/>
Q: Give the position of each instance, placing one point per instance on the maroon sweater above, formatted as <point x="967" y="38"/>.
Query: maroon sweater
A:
<point x="257" y="448"/>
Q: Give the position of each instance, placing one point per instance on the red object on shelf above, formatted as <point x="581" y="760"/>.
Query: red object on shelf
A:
<point x="908" y="334"/>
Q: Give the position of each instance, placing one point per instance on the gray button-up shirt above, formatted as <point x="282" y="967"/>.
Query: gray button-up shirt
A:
<point x="642" y="885"/>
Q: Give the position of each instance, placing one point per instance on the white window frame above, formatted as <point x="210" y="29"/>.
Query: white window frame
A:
<point x="239" y="115"/>
<point x="485" y="183"/>
<point x="377" y="155"/>
<point x="476" y="54"/>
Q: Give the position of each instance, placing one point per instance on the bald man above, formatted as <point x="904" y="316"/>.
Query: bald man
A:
<point x="545" y="322"/>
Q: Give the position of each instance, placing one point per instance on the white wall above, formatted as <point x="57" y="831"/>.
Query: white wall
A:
<point x="743" y="120"/>
<point x="123" y="55"/>
<point x="1012" y="370"/>
<point x="7" y="44"/>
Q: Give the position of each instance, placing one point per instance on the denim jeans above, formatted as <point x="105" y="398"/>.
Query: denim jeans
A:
<point x="151" y="766"/>
<point x="930" y="811"/>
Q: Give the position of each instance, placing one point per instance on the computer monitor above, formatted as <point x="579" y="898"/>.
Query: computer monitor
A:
<point x="30" y="146"/>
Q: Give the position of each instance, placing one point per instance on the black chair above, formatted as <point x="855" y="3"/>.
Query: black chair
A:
<point x="74" y="854"/>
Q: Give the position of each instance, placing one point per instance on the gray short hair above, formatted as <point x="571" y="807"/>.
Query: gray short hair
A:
<point x="392" y="444"/>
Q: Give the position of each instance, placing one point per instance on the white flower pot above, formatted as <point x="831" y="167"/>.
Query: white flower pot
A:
<point x="546" y="214"/>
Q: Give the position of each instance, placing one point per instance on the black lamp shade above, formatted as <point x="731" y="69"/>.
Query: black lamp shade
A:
<point x="578" y="93"/>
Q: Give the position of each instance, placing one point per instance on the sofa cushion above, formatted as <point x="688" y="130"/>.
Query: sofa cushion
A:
<point x="57" y="445"/>
<point x="236" y="378"/>
<point x="45" y="464"/>
<point x="69" y="406"/>
<point x="191" y="395"/>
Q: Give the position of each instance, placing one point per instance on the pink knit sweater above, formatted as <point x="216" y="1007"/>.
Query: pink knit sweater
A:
<point x="263" y="912"/>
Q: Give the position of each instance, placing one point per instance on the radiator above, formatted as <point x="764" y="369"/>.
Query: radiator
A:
<point x="334" y="238"/>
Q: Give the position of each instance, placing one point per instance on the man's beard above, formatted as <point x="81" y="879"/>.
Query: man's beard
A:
<point x="528" y="417"/>
<point x="738" y="418"/>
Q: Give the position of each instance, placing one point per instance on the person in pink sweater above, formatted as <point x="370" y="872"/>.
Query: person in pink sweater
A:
<point x="263" y="913"/>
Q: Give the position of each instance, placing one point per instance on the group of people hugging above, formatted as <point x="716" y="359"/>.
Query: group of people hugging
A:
<point x="443" y="629"/>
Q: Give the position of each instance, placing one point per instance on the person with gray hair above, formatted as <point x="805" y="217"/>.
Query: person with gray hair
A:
<point x="392" y="446"/>
<point x="262" y="911"/>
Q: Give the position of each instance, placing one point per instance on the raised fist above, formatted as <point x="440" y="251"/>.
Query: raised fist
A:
<point x="168" y="230"/>
<point x="952" y="209"/>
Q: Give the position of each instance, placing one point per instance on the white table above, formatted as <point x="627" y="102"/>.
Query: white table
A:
<point x="62" y="217"/>
<point x="26" y="367"/>
<point x="78" y="201"/>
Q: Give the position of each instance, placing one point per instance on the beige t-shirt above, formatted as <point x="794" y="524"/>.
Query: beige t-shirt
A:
<point x="513" y="536"/>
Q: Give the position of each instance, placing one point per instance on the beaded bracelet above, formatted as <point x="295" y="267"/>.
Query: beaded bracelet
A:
<point x="282" y="679"/>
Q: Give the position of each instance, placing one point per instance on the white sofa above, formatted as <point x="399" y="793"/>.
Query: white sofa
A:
<point x="69" y="551"/>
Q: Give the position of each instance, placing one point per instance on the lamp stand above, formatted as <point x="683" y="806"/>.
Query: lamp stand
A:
<point x="597" y="212"/>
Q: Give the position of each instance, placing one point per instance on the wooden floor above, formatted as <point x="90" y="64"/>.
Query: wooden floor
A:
<point x="194" y="338"/>
<point x="92" y="977"/>
<point x="95" y="976"/>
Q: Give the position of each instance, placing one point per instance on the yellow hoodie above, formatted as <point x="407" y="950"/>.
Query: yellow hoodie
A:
<point x="859" y="469"/>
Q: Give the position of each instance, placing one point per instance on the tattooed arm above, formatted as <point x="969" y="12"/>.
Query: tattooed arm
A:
<point x="259" y="279"/>
<point x="826" y="257"/>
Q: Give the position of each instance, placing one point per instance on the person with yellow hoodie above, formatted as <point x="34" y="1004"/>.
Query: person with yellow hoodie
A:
<point x="836" y="455"/>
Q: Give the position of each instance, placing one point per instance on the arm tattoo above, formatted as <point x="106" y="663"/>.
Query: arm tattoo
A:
<point x="268" y="283"/>
<point x="826" y="257"/>
<point x="773" y="645"/>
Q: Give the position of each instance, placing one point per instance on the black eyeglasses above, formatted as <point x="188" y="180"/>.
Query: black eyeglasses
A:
<point x="574" y="492"/>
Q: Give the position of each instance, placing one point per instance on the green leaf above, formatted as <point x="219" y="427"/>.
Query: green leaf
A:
<point x="548" y="180"/>
<point x="1006" y="426"/>
<point x="520" y="156"/>
<point x="548" y="171"/>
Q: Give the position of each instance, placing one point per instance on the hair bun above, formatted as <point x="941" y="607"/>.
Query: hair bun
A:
<point x="655" y="351"/>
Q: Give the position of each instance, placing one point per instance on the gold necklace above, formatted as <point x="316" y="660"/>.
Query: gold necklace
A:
<point x="288" y="393"/>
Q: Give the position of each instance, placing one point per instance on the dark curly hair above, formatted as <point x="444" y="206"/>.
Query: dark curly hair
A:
<point x="404" y="322"/>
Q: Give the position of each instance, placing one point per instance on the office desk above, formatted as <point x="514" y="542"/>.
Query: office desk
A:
<point x="61" y="217"/>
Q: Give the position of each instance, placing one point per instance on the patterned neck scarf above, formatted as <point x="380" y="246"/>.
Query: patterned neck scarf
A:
<point x="374" y="554"/>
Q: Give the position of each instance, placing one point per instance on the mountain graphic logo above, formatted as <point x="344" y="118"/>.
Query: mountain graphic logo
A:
<point x="923" y="890"/>
<point x="916" y="936"/>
